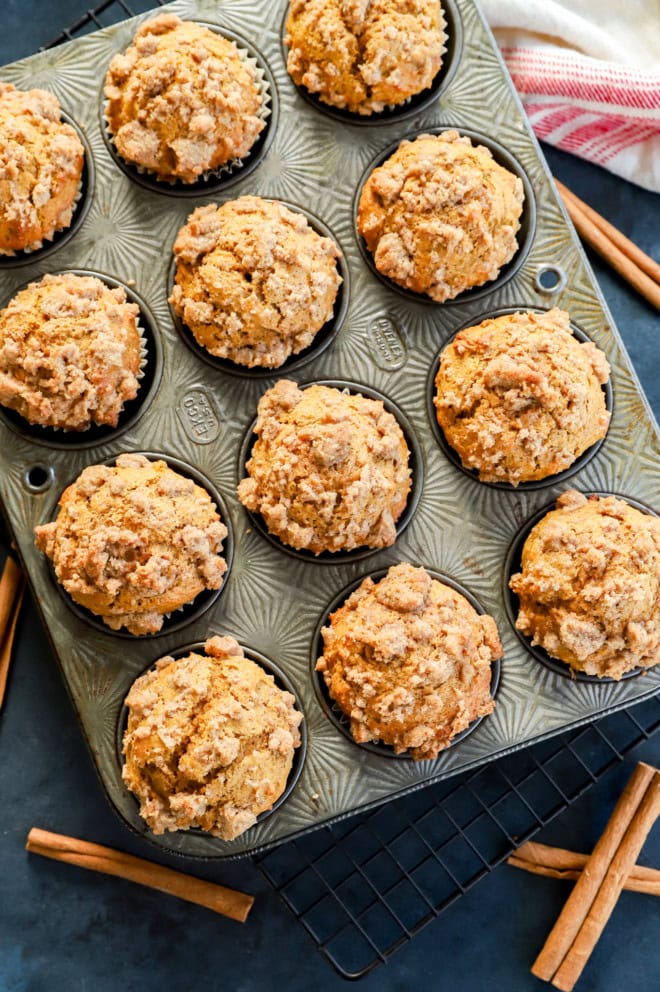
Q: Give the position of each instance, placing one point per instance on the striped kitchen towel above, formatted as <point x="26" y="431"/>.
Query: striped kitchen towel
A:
<point x="588" y="72"/>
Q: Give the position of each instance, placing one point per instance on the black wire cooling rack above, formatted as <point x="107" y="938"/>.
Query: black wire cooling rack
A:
<point x="366" y="885"/>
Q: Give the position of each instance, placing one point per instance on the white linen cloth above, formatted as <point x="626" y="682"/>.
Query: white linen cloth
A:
<point x="588" y="73"/>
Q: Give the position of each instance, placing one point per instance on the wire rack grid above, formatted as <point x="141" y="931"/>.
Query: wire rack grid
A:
<point x="363" y="887"/>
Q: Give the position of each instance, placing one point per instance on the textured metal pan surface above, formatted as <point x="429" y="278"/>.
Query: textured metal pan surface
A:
<point x="199" y="413"/>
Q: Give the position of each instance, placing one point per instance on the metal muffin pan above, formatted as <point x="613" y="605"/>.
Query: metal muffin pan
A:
<point x="200" y="414"/>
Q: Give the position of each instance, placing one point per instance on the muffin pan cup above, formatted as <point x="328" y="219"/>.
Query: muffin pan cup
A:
<point x="551" y="480"/>
<point x="149" y="376"/>
<point x="201" y="414"/>
<point x="330" y="707"/>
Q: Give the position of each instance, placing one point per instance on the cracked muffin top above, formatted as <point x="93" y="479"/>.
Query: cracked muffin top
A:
<point x="210" y="741"/>
<point x="408" y="661"/>
<point x="365" y="55"/>
<point x="254" y="281"/>
<point x="440" y="215"/>
<point x="519" y="397"/>
<point x="134" y="541"/>
<point x="328" y="471"/>
<point x="69" y="352"/>
<point x="41" y="163"/>
<point x="589" y="585"/>
<point x="181" y="101"/>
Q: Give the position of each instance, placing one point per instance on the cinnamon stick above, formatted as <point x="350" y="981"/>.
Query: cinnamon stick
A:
<point x="584" y="892"/>
<point x="556" y="862"/>
<point x="610" y="889"/>
<point x="601" y="243"/>
<point x="10" y="583"/>
<point x="7" y="643"/>
<point x="108" y="861"/>
<point x="628" y="247"/>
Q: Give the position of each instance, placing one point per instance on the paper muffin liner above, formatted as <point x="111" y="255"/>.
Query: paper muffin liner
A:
<point x="36" y="245"/>
<point x="228" y="168"/>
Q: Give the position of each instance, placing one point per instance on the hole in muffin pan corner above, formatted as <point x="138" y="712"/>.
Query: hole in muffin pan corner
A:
<point x="512" y="565"/>
<point x="453" y="456"/>
<point x="322" y="339"/>
<point x="332" y="710"/>
<point x="218" y="181"/>
<point x="38" y="478"/>
<point x="525" y="234"/>
<point x="416" y="465"/>
<point x="550" y="279"/>
<point x="132" y="410"/>
<point x="190" y="612"/>
<point x="282" y="681"/>
<point x="80" y="211"/>
<point x="416" y="104"/>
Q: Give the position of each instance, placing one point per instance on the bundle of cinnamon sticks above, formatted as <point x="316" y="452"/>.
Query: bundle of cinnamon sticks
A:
<point x="12" y="587"/>
<point x="600" y="879"/>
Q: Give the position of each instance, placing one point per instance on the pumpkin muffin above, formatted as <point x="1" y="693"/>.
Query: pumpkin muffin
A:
<point x="520" y="398"/>
<point x="254" y="282"/>
<point x="181" y="101"/>
<point x="589" y="588"/>
<point x="408" y="661"/>
<point x="69" y="352"/>
<point x="41" y="163"/>
<point x="210" y="741"/>
<point x="134" y="541"/>
<point x="329" y="470"/>
<point x="440" y="216"/>
<point x="365" y="55"/>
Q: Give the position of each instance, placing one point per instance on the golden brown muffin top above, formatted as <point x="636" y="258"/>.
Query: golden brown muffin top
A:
<point x="38" y="155"/>
<point x="519" y="397"/>
<point x="408" y="660"/>
<point x="440" y="215"/>
<point x="69" y="352"/>
<point x="329" y="470"/>
<point x="254" y="282"/>
<point x="181" y="100"/>
<point x="589" y="588"/>
<point x="365" y="55"/>
<point x="134" y="541"/>
<point x="210" y="741"/>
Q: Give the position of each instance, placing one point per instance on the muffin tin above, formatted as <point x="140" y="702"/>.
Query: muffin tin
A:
<point x="199" y="413"/>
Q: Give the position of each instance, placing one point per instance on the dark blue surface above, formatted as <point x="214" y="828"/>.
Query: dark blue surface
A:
<point x="65" y="929"/>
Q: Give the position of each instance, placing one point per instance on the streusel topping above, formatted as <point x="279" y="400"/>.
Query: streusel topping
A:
<point x="210" y="741"/>
<point x="134" y="541"/>
<point x="41" y="162"/>
<point x="365" y="55"/>
<point x="520" y="398"/>
<point x="69" y="352"/>
<point x="254" y="281"/>
<point x="181" y="100"/>
<point x="408" y="660"/>
<point x="441" y="215"/>
<point x="329" y="470"/>
<point x="589" y="588"/>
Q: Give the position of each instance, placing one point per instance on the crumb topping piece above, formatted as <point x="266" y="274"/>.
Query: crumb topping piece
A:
<point x="589" y="588"/>
<point x="408" y="661"/>
<point x="69" y="352"/>
<point x="210" y="741"/>
<point x="441" y="215"/>
<point x="365" y="55"/>
<point x="181" y="100"/>
<point x="134" y="541"/>
<point x="329" y="470"/>
<point x="41" y="163"/>
<point x="254" y="281"/>
<point x="519" y="397"/>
